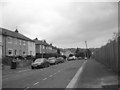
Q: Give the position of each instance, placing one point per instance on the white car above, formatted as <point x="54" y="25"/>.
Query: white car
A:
<point x="72" y="58"/>
<point x="52" y="60"/>
<point x="85" y="58"/>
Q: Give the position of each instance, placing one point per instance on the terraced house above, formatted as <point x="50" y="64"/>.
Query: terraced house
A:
<point x="42" y="47"/>
<point x="0" y="45"/>
<point x="16" y="44"/>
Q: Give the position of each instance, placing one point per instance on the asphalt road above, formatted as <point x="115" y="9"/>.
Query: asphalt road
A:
<point x="55" y="76"/>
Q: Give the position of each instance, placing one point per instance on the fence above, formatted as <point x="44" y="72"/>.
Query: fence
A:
<point x="108" y="54"/>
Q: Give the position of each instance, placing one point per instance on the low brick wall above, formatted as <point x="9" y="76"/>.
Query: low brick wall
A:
<point x="24" y="63"/>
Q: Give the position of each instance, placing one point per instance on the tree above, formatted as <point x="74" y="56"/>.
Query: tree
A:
<point x="71" y="55"/>
<point x="58" y="51"/>
<point x="77" y="51"/>
<point x="88" y="53"/>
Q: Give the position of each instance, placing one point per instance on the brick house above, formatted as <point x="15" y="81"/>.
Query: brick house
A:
<point x="16" y="44"/>
<point x="42" y="47"/>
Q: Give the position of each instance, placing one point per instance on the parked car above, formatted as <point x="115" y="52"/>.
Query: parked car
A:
<point x="79" y="58"/>
<point x="52" y="60"/>
<point x="60" y="60"/>
<point x="71" y="58"/>
<point x="85" y="58"/>
<point x="40" y="62"/>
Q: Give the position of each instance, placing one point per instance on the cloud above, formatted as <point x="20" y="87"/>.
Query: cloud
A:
<point x="65" y="23"/>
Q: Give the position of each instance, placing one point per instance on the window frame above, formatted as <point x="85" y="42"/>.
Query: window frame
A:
<point x="9" y="39"/>
<point x="11" y="53"/>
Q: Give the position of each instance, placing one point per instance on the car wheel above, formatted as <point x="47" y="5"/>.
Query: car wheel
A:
<point x="43" y="66"/>
<point x="48" y="65"/>
<point x="32" y="67"/>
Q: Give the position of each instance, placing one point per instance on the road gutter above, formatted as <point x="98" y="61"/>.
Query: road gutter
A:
<point x="73" y="82"/>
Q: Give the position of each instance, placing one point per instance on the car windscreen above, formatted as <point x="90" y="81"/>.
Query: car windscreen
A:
<point x="39" y="60"/>
<point x="52" y="58"/>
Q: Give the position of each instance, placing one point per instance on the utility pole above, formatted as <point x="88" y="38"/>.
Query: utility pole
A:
<point x="86" y="49"/>
<point x="86" y="44"/>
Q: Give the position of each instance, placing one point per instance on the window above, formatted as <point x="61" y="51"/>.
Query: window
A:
<point x="15" y="40"/>
<point x="24" y="53"/>
<point x="24" y="43"/>
<point x="10" y="52"/>
<point x="40" y="48"/>
<point x="9" y="39"/>
<point x="30" y="52"/>
<point x="43" y="47"/>
<point x="31" y="44"/>
<point x="20" y="42"/>
<point x="15" y="52"/>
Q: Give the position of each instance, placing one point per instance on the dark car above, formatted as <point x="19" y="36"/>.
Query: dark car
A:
<point x="40" y="62"/>
<point x="60" y="60"/>
<point x="80" y="58"/>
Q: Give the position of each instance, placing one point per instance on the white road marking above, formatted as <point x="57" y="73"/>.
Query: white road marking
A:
<point x="74" y="81"/>
<point x="24" y="70"/>
<point x="36" y="83"/>
<point x="26" y="88"/>
<point x="54" y="73"/>
<point x="50" y="75"/>
<point x="44" y="78"/>
<point x="59" y="71"/>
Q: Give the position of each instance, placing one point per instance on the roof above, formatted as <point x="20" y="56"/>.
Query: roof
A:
<point x="14" y="34"/>
<point x="40" y="42"/>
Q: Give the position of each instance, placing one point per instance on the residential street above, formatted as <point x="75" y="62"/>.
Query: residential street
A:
<point x="61" y="75"/>
<point x="59" y="44"/>
<point x="56" y="76"/>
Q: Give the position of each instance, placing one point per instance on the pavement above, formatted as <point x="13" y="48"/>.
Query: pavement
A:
<point x="71" y="74"/>
<point x="96" y="75"/>
<point x="7" y="70"/>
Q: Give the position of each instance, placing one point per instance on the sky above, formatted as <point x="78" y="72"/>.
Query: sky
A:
<point x="64" y="23"/>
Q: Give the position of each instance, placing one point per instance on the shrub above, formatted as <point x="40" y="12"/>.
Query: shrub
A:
<point x="7" y="60"/>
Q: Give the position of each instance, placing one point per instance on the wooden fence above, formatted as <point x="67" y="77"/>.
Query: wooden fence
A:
<point x="108" y="55"/>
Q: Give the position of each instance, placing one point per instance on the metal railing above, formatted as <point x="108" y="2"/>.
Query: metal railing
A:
<point x="108" y="54"/>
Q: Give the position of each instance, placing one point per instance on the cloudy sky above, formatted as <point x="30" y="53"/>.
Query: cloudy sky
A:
<point x="65" y="23"/>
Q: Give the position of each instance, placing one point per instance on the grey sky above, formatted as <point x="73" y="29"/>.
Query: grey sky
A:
<point x="65" y="23"/>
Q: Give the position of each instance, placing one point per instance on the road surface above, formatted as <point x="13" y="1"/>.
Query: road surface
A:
<point x="55" y="76"/>
<point x="71" y="74"/>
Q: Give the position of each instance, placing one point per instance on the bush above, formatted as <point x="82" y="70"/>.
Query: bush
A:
<point x="30" y="57"/>
<point x="47" y="55"/>
<point x="7" y="60"/>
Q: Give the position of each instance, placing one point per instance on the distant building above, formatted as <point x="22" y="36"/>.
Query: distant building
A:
<point x="62" y="52"/>
<point x="16" y="44"/>
<point x="54" y="49"/>
<point x="67" y="53"/>
<point x="42" y="47"/>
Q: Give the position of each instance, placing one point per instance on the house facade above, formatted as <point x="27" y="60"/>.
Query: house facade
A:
<point x="0" y="46"/>
<point x="42" y="47"/>
<point x="15" y="44"/>
<point x="31" y="48"/>
<point x="67" y="53"/>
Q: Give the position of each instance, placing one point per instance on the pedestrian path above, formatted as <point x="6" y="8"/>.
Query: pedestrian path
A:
<point x="96" y="75"/>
